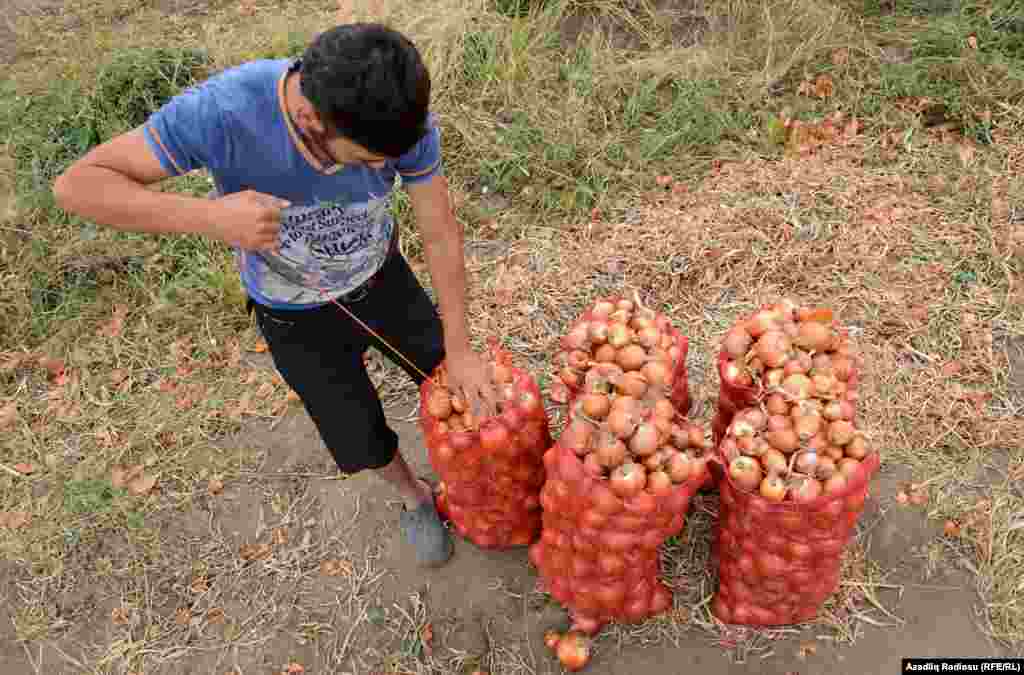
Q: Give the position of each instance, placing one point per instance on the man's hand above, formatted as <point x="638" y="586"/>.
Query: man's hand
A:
<point x="470" y="375"/>
<point x="250" y="220"/>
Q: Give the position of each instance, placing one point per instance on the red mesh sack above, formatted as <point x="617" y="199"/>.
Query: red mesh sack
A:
<point x="598" y="554"/>
<point x="746" y="379"/>
<point x="492" y="471"/>
<point x="595" y="338"/>
<point x="778" y="562"/>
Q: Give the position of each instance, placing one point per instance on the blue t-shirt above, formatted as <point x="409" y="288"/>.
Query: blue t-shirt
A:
<point x="337" y="232"/>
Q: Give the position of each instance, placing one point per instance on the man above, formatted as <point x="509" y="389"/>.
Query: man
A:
<point x="304" y="154"/>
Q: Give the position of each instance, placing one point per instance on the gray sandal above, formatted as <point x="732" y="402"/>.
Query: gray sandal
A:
<point x="427" y="534"/>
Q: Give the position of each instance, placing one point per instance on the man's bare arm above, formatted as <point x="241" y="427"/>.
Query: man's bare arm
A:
<point x="110" y="186"/>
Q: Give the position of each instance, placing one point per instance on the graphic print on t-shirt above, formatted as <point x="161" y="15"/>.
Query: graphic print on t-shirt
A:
<point x="326" y="250"/>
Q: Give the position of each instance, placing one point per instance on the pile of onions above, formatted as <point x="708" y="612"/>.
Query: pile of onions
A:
<point x="800" y="452"/>
<point x="796" y="466"/>
<point x="629" y="434"/>
<point x="451" y="411"/>
<point x="491" y="469"/>
<point x="624" y="333"/>
<point x="795" y="438"/>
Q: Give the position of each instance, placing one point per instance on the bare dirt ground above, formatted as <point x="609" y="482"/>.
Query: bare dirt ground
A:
<point x="366" y="610"/>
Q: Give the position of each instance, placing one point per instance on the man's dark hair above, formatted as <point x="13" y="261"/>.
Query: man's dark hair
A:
<point x="368" y="82"/>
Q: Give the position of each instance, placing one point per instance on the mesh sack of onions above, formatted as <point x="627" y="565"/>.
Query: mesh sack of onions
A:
<point x="623" y="332"/>
<point x="785" y="352"/>
<point x="794" y="484"/>
<point x="491" y="470"/>
<point x="619" y="483"/>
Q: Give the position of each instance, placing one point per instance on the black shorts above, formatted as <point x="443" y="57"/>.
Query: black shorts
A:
<point x="319" y="353"/>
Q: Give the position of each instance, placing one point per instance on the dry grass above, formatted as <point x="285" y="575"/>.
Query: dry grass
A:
<point x="916" y="240"/>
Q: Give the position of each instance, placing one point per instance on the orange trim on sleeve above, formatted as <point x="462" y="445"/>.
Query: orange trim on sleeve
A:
<point x="160" y="142"/>
<point x="424" y="172"/>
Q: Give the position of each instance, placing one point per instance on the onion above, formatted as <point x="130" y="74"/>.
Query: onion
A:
<point x="445" y="453"/>
<point x="530" y="404"/>
<point x="656" y="460"/>
<point x="570" y="377"/>
<point x="514" y="418"/>
<point x="659" y="483"/>
<point x="622" y="423"/>
<point x="779" y="422"/>
<point x="494" y="436"/>
<point x="632" y="384"/>
<point x="826" y="468"/>
<point x="620" y="317"/>
<point x="649" y="338"/>
<point x="785" y="440"/>
<point x="663" y="409"/>
<point x="806" y="462"/>
<point x="578" y="337"/>
<point x="631" y="357"/>
<point x="645" y="440"/>
<point x="842" y="367"/>
<point x="813" y="336"/>
<point x="824" y="384"/>
<point x="592" y="465"/>
<point x="595" y="406"/>
<point x="501" y="374"/>
<point x="848" y="466"/>
<point x="745" y="472"/>
<point x="729" y="448"/>
<point x="798" y="387"/>
<point x="821" y="362"/>
<point x="458" y="403"/>
<point x="626" y="305"/>
<point x="776" y="404"/>
<point x="551" y="639"/>
<point x="602" y="309"/>
<point x="736" y="376"/>
<point x="763" y="321"/>
<point x="656" y="372"/>
<point x="773" y="488"/>
<point x="838" y="410"/>
<point x="619" y="335"/>
<point x="610" y="451"/>
<point x="578" y="360"/>
<point x="605" y="354"/>
<point x="626" y="404"/>
<point x="806" y="490"/>
<point x="818" y="314"/>
<point x="773" y="348"/>
<point x="598" y="332"/>
<point x="841" y="432"/>
<point x="439" y="404"/>
<point x="857" y="448"/>
<point x="573" y="651"/>
<point x="807" y="426"/>
<point x="628" y="479"/>
<point x="695" y="437"/>
<point x="577" y="435"/>
<point x="680" y="467"/>
<point x="641" y="322"/>
<point x="736" y="342"/>
<point x="774" y="377"/>
<point x="774" y="462"/>
<point x="836" y="484"/>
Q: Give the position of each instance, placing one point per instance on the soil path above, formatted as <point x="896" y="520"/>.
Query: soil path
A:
<point x="477" y="592"/>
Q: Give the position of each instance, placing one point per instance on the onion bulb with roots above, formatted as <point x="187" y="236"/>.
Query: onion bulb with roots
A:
<point x="439" y="404"/>
<point x="773" y="348"/>
<point x="736" y="342"/>
<point x="573" y="651"/>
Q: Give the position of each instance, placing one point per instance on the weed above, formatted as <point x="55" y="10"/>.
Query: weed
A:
<point x="90" y="496"/>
